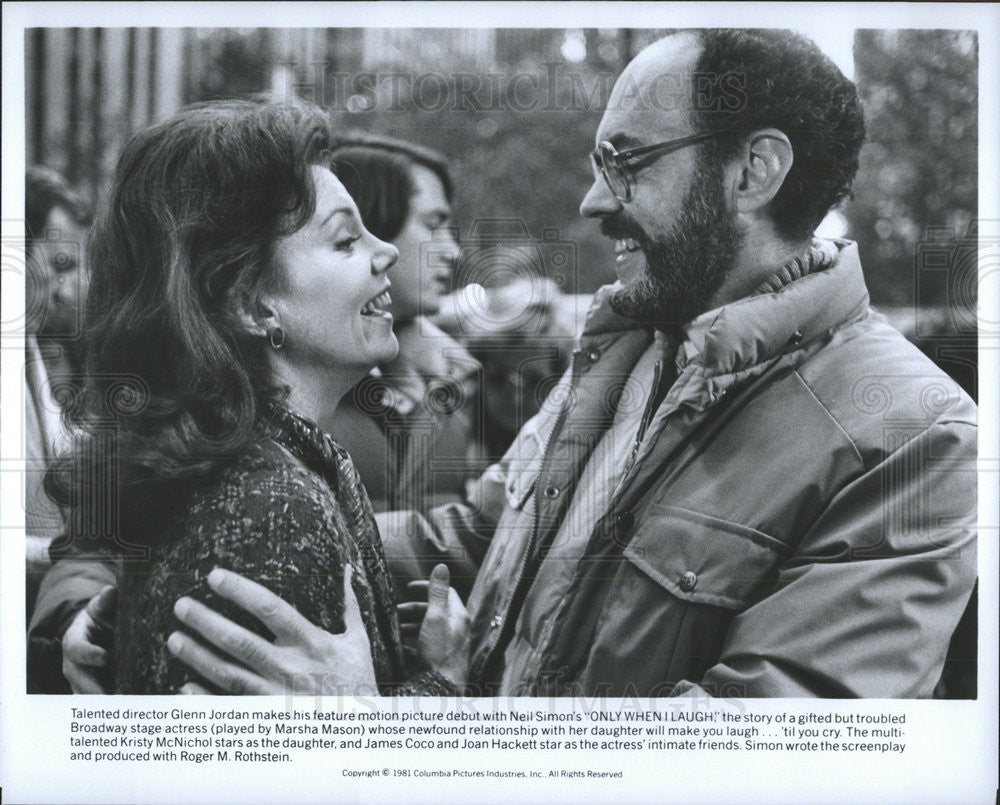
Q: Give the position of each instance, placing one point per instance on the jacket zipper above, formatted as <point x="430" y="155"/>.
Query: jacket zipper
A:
<point x="521" y="588"/>
<point x="647" y="416"/>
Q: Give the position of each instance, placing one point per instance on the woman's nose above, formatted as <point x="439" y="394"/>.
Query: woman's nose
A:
<point x="384" y="256"/>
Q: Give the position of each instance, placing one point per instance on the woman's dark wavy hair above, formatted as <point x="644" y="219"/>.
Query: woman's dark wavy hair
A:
<point x="180" y="254"/>
<point x="377" y="172"/>
<point x="790" y="85"/>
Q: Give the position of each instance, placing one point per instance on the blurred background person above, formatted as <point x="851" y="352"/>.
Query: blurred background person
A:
<point x="409" y="425"/>
<point x="522" y="333"/>
<point x="916" y="227"/>
<point x="56" y="221"/>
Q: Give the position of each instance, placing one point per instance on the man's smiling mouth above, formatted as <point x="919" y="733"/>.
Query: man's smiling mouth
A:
<point x="624" y="247"/>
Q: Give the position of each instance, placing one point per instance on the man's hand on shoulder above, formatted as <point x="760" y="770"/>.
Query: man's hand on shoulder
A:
<point x="303" y="659"/>
<point x="87" y="644"/>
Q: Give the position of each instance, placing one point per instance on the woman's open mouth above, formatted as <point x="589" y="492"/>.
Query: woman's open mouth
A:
<point x="376" y="306"/>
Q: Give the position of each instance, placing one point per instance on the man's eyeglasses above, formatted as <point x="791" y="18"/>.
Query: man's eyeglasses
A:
<point x="616" y="169"/>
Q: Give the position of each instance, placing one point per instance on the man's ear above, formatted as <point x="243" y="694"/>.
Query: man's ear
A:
<point x="766" y="161"/>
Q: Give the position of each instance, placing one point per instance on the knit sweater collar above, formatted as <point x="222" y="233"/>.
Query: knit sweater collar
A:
<point x="804" y="300"/>
<point x="305" y="440"/>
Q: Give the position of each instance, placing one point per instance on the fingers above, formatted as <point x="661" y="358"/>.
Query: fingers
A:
<point x="411" y="610"/>
<point x="242" y="644"/>
<point x="280" y="617"/>
<point x="81" y="657"/>
<point x="411" y="617"/>
<point x="416" y="591"/>
<point x="223" y="673"/>
<point x="81" y="681"/>
<point x="87" y="655"/>
<point x="352" y="611"/>
<point x="77" y="647"/>
<point x="437" y="592"/>
<point x="455" y="600"/>
<point x="194" y="689"/>
<point x="103" y="605"/>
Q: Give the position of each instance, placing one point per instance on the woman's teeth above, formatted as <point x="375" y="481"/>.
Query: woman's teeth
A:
<point x="376" y="307"/>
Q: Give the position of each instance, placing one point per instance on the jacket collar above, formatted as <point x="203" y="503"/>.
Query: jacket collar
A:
<point x="748" y="332"/>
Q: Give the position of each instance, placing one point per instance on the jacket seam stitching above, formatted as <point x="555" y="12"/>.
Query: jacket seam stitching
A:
<point x="833" y="419"/>
<point x="939" y="421"/>
<point x="737" y="529"/>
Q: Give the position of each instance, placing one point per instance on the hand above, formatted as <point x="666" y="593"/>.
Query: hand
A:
<point x="303" y="659"/>
<point x="411" y="613"/>
<point x="87" y="641"/>
<point x="444" y="634"/>
<point x="37" y="549"/>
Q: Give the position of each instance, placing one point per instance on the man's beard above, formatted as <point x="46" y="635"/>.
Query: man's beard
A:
<point x="688" y="265"/>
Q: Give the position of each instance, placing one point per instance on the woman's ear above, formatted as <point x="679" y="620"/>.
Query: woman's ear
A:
<point x="259" y="318"/>
<point x="767" y="160"/>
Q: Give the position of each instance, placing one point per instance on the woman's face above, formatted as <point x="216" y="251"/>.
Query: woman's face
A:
<point x="427" y="250"/>
<point x="333" y="299"/>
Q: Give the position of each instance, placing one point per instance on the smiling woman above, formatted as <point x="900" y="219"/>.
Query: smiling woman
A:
<point x="410" y="428"/>
<point x="330" y="299"/>
<point x="236" y="296"/>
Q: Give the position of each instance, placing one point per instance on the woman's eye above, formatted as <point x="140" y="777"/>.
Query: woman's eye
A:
<point x="346" y="244"/>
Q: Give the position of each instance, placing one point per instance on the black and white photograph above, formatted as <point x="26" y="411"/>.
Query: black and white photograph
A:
<point x="417" y="367"/>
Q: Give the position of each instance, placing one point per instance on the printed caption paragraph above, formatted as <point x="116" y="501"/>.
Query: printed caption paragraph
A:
<point x="280" y="736"/>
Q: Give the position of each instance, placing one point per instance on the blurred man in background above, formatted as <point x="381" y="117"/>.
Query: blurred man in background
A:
<point x="410" y="424"/>
<point x="56" y="221"/>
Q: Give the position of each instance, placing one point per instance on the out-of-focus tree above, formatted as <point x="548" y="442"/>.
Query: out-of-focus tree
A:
<point x="918" y="177"/>
<point x="516" y="111"/>
<point x="518" y="131"/>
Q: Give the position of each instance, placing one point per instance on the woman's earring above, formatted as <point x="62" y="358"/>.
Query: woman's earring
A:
<point x="277" y="338"/>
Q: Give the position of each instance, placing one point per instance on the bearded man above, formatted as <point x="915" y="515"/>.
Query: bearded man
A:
<point x="747" y="484"/>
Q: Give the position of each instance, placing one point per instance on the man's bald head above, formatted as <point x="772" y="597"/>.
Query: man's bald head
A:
<point x="658" y="78"/>
<point x="746" y="80"/>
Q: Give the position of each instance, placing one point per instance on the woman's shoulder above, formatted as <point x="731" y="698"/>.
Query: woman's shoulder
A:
<point x="267" y="470"/>
<point x="266" y="516"/>
<point x="266" y="496"/>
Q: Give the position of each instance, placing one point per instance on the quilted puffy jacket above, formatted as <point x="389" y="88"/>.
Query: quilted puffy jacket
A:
<point x="804" y="524"/>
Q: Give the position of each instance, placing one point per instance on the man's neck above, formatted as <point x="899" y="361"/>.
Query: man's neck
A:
<point x="762" y="254"/>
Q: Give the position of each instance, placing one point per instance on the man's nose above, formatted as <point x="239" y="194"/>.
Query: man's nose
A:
<point x="447" y="244"/>
<point x="599" y="201"/>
